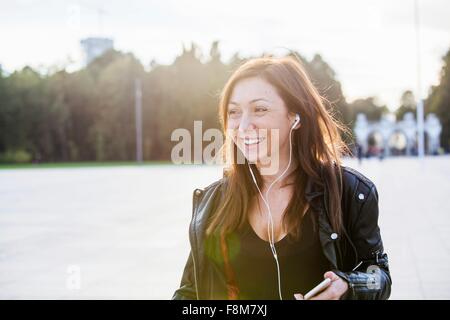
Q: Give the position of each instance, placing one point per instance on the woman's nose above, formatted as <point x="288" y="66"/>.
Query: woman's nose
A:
<point x="246" y="124"/>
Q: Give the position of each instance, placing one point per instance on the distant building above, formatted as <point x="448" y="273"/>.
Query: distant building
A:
<point x="389" y="137"/>
<point x="94" y="47"/>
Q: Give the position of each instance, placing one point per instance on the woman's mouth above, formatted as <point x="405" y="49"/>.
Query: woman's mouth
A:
<point x="252" y="141"/>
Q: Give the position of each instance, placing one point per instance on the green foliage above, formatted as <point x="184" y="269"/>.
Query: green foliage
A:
<point x="369" y="107"/>
<point x="89" y="115"/>
<point x="16" y="156"/>
<point x="407" y="104"/>
<point x="438" y="101"/>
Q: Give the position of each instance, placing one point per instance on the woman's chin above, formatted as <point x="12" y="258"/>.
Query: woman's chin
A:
<point x="253" y="153"/>
<point x="254" y="157"/>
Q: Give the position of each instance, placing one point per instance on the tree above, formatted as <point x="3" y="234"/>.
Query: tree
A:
<point x="89" y="115"/>
<point x="369" y="107"/>
<point x="438" y="101"/>
<point x="407" y="104"/>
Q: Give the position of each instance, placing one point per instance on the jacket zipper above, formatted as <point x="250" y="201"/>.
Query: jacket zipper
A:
<point x="357" y="266"/>
<point x="375" y="253"/>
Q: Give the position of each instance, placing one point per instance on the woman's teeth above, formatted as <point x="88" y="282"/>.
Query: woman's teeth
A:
<point x="252" y="141"/>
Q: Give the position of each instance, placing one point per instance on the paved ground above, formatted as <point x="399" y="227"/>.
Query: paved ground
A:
<point x="121" y="232"/>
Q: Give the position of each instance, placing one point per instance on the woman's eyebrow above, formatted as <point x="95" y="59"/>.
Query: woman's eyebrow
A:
<point x="251" y="101"/>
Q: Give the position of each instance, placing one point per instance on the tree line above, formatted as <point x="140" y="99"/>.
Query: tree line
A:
<point x="89" y="115"/>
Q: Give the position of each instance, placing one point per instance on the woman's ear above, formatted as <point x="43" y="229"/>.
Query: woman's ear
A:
<point x="296" y="122"/>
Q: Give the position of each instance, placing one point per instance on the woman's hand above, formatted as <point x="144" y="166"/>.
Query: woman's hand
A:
<point x="334" y="291"/>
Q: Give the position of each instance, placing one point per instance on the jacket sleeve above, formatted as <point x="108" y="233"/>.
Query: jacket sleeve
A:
<point x="187" y="290"/>
<point x="370" y="279"/>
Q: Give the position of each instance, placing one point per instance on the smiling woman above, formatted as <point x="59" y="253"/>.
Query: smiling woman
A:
<point x="253" y="118"/>
<point x="321" y="218"/>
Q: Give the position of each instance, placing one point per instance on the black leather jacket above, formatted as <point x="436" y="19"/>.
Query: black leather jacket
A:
<point x="356" y="255"/>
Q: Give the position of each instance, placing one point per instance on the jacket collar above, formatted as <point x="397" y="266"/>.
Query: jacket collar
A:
<point x="312" y="188"/>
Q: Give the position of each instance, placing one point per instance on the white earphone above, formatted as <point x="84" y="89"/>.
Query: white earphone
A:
<point x="297" y="120"/>
<point x="270" y="221"/>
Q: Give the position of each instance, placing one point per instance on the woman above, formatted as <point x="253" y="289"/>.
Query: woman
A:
<point x="259" y="235"/>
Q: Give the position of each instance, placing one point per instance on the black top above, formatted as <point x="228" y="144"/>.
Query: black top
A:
<point x="302" y="263"/>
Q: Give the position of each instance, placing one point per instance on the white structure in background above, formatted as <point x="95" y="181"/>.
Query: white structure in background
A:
<point x="390" y="135"/>
<point x="94" y="47"/>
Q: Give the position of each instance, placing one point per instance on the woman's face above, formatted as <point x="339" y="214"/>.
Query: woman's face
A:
<point x="254" y="105"/>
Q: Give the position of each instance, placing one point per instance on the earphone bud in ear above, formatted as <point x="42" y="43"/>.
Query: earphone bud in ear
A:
<point x="297" y="120"/>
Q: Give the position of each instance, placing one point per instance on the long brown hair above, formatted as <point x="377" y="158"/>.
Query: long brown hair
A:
<point x="317" y="143"/>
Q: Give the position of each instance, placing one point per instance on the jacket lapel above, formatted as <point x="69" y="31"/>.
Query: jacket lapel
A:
<point x="316" y="196"/>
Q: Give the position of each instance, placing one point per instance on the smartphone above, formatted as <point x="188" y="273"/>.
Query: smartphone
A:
<point x="317" y="289"/>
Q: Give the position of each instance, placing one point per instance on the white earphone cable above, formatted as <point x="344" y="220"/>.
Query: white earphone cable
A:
<point x="270" y="220"/>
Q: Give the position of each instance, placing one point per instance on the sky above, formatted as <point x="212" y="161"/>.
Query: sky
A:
<point x="371" y="44"/>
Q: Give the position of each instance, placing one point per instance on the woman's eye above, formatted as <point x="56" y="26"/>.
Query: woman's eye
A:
<point x="260" y="109"/>
<point x="233" y="112"/>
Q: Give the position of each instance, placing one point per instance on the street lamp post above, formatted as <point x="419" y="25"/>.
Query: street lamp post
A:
<point x="419" y="108"/>
<point x="138" y="118"/>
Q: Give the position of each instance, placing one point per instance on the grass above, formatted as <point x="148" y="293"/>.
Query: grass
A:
<point x="85" y="164"/>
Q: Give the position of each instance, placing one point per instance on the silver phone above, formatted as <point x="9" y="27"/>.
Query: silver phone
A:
<point x="317" y="289"/>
